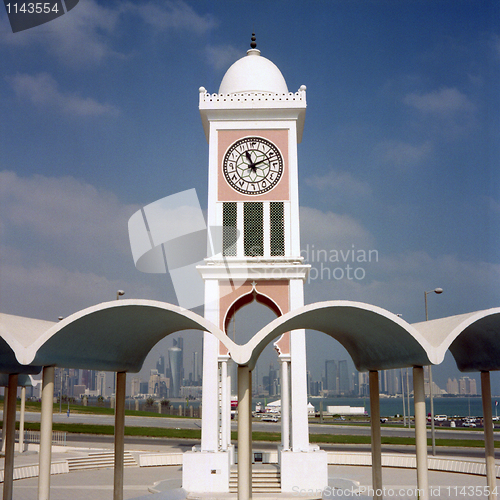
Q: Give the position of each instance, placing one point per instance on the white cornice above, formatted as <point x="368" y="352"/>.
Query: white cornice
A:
<point x="254" y="105"/>
<point x="284" y="268"/>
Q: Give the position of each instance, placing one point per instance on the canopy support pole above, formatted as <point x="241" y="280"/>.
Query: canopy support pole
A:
<point x="420" y="432"/>
<point x="489" y="442"/>
<point x="45" y="455"/>
<point x="10" y="437"/>
<point x="375" y="435"/>
<point x="119" y="435"/>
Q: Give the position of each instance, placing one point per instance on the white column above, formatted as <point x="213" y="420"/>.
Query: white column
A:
<point x="375" y="434"/>
<point x="10" y="437"/>
<point x="121" y="378"/>
<point x="285" y="405"/>
<point x="224" y="404"/>
<point x="298" y="379"/>
<point x="489" y="443"/>
<point x="420" y="432"/>
<point x="45" y="455"/>
<point x="21" y="419"/>
<point x="228" y="413"/>
<point x="244" y="433"/>
<point x="210" y="403"/>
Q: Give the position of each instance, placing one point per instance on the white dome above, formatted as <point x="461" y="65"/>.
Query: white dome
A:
<point x="253" y="73"/>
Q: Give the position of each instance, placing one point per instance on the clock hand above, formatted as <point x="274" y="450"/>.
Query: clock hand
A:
<point x="252" y="164"/>
<point x="261" y="161"/>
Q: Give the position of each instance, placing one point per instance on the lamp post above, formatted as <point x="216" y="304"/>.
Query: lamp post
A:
<point x="433" y="439"/>
<point x="119" y="293"/>
<point x="60" y="318"/>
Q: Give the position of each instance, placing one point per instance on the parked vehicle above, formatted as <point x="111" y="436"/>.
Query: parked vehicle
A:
<point x="270" y="418"/>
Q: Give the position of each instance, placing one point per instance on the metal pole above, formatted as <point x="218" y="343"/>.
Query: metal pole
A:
<point x="4" y="426"/>
<point x="375" y="435"/>
<point x="420" y="432"/>
<point x="433" y="438"/>
<point x="45" y="455"/>
<point x="21" y="419"/>
<point x="10" y="437"/>
<point x="408" y="398"/>
<point x="244" y="433"/>
<point x="489" y="443"/>
<point x="119" y="435"/>
<point x="403" y="395"/>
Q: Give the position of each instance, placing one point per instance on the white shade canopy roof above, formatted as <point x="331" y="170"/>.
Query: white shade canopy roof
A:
<point x="118" y="335"/>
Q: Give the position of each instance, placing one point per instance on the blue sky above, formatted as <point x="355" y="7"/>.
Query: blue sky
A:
<point x="400" y="153"/>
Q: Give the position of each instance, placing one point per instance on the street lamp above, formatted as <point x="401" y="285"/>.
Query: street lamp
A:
<point x="433" y="439"/>
<point x="60" y="318"/>
<point x="119" y="293"/>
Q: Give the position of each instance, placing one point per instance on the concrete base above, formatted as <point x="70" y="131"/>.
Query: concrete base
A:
<point x="304" y="473"/>
<point x="206" y="472"/>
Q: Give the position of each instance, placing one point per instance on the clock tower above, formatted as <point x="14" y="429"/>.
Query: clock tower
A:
<point x="253" y="125"/>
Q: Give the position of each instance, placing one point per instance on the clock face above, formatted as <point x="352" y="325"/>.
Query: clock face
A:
<point x="253" y="165"/>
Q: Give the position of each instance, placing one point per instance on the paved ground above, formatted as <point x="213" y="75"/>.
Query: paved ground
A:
<point x="399" y="484"/>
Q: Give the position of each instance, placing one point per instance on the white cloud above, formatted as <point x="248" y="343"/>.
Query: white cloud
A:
<point x="172" y="15"/>
<point x="340" y="183"/>
<point x="401" y="154"/>
<point x="222" y="56"/>
<point x="332" y="231"/>
<point x="42" y="90"/>
<point x="65" y="246"/>
<point x="440" y="102"/>
<point x="78" y="37"/>
<point x="85" y="35"/>
<point x="70" y="214"/>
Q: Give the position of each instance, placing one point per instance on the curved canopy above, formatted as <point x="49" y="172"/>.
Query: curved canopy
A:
<point x="112" y="336"/>
<point x="473" y="339"/>
<point x="16" y="333"/>
<point x="375" y="338"/>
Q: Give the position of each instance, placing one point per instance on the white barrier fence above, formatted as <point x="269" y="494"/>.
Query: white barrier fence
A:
<point x="58" y="437"/>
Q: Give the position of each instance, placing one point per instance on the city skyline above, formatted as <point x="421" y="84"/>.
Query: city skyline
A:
<point x="398" y="168"/>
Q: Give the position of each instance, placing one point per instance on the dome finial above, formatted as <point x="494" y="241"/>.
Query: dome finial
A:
<point x="253" y="44"/>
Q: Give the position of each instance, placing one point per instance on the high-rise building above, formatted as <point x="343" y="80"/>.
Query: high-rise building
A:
<point x="135" y="386"/>
<point x="452" y="386"/>
<point x="196" y="369"/>
<point x="343" y="377"/>
<point x="160" y="365"/>
<point x="331" y="379"/>
<point x="467" y="386"/>
<point x="175" y="360"/>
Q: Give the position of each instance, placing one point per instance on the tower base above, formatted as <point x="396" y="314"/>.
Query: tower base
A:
<point x="206" y="471"/>
<point x="304" y="472"/>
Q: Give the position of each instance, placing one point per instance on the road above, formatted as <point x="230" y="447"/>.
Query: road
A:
<point x="189" y="423"/>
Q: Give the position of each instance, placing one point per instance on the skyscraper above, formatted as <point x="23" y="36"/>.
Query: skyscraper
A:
<point x="160" y="365"/>
<point x="331" y="376"/>
<point x="175" y="360"/>
<point x="343" y="377"/>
